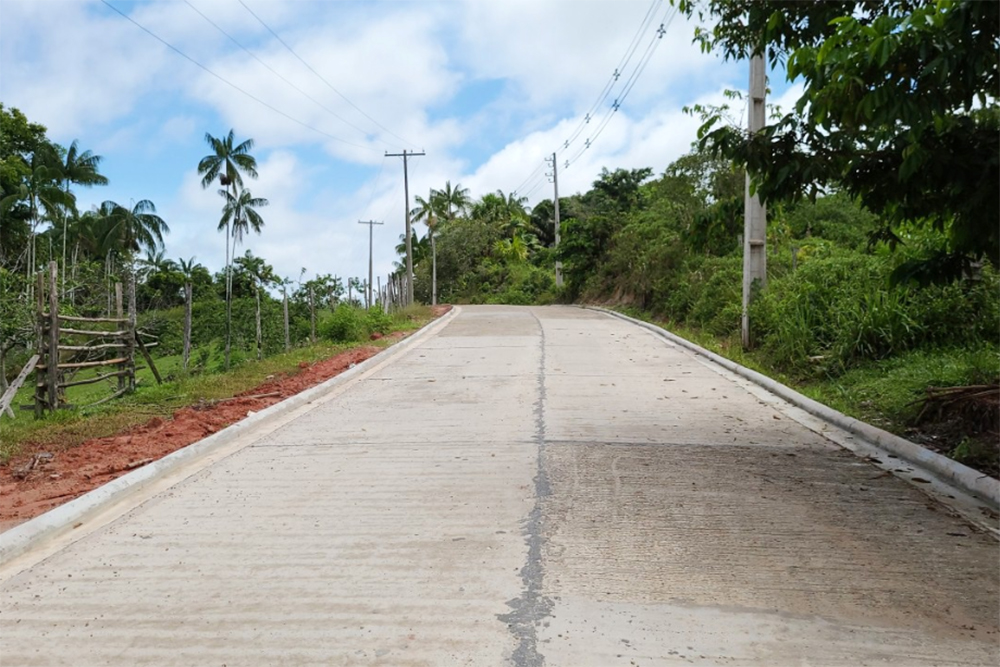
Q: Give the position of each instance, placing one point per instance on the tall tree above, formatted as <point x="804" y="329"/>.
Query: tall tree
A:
<point x="131" y="230"/>
<point x="188" y="267"/>
<point x="898" y="108"/>
<point x="428" y="211"/>
<point x="79" y="169"/>
<point x="228" y="161"/>
<point x="262" y="273"/>
<point x="454" y="200"/>
<point x="39" y="191"/>
<point x="240" y="213"/>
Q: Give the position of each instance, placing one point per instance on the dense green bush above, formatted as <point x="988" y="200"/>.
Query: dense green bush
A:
<point x="344" y="325"/>
<point x="348" y="324"/>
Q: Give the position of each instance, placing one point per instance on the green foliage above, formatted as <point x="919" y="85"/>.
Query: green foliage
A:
<point x="898" y="108"/>
<point x="344" y="324"/>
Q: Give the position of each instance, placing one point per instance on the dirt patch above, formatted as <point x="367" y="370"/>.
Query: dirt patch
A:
<point x="46" y="475"/>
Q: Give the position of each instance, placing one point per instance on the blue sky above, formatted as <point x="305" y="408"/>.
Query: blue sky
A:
<point x="486" y="88"/>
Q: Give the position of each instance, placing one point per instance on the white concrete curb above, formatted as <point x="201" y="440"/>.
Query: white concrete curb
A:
<point x="55" y="522"/>
<point x="972" y="481"/>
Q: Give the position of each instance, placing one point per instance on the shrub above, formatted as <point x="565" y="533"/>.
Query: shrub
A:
<point x="345" y="324"/>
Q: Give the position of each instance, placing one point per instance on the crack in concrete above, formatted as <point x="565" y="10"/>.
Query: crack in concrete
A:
<point x="531" y="606"/>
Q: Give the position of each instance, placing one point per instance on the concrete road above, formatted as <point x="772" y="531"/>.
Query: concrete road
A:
<point x="530" y="486"/>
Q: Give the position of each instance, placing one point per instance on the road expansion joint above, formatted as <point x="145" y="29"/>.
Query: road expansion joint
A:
<point x="528" y="609"/>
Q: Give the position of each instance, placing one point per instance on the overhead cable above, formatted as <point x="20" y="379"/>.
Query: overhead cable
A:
<point x="280" y="76"/>
<point x="321" y="77"/>
<point x="230" y="83"/>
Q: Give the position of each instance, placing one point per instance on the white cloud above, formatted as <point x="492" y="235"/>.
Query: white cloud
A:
<point x="87" y="73"/>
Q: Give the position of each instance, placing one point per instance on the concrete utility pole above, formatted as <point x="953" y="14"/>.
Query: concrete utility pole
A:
<point x="555" y="183"/>
<point x="371" y="226"/>
<point x="409" y="241"/>
<point x="755" y="217"/>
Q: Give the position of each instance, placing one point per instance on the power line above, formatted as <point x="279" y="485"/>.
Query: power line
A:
<point x="609" y="86"/>
<point x="529" y="177"/>
<point x="320" y="76"/>
<point x="227" y="82"/>
<point x="279" y="75"/>
<point x="622" y="64"/>
<point x="629" y="83"/>
<point x="371" y="197"/>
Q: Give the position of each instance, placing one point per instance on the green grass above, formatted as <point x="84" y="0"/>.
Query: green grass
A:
<point x="67" y="428"/>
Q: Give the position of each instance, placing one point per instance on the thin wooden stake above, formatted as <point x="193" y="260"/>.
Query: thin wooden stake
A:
<point x="53" y="361"/>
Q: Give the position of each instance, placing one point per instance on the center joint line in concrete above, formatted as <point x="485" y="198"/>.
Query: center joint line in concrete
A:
<point x="532" y="606"/>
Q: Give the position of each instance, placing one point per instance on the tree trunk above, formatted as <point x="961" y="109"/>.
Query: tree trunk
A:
<point x="434" y="270"/>
<point x="229" y="298"/>
<point x="260" y="341"/>
<point x="284" y="299"/>
<point x="312" y="315"/>
<point x="187" y="323"/>
<point x="3" y="368"/>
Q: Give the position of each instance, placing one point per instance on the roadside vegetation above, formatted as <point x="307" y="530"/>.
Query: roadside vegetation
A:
<point x="205" y="381"/>
<point x="216" y="335"/>
<point x="883" y="296"/>
<point x="883" y="242"/>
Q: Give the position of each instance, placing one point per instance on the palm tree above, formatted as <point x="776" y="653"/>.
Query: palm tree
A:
<point x="262" y="273"/>
<point x="156" y="262"/>
<point x="133" y="229"/>
<point x="41" y="193"/>
<point x="227" y="161"/>
<point x="454" y="201"/>
<point x="81" y="169"/>
<point x="240" y="211"/>
<point x="187" y="269"/>
<point x="429" y="211"/>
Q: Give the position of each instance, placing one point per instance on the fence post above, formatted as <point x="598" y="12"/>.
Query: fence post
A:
<point x="120" y="314"/>
<point x="53" y="362"/>
<point x="130" y="333"/>
<point x="40" y="343"/>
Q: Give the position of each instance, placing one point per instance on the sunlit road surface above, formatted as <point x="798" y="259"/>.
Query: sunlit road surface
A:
<point x="529" y="486"/>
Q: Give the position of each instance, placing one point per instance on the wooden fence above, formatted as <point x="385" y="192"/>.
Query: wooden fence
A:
<point x="68" y="345"/>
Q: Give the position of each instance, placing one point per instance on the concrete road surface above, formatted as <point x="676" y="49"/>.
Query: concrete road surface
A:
<point x="530" y="486"/>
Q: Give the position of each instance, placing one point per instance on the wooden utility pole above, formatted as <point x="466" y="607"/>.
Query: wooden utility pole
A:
<point x="555" y="184"/>
<point x="371" y="226"/>
<point x="755" y="217"/>
<point x="409" y="240"/>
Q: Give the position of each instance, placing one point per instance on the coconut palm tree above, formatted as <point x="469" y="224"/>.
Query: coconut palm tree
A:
<point x="41" y="193"/>
<point x="187" y="269"/>
<point x="228" y="161"/>
<point x="262" y="273"/>
<point x="155" y="262"/>
<point x="81" y="169"/>
<point x="240" y="213"/>
<point x="133" y="229"/>
<point x="454" y="200"/>
<point x="428" y="211"/>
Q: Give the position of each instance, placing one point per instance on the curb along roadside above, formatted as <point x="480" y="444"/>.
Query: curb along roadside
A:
<point x="22" y="538"/>
<point x="969" y="480"/>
